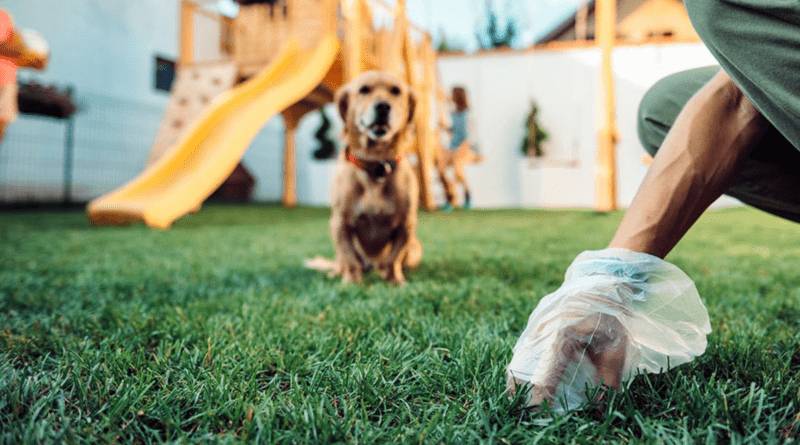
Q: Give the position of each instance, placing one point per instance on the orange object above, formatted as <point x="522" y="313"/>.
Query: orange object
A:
<point x="605" y="171"/>
<point x="211" y="148"/>
<point x="8" y="64"/>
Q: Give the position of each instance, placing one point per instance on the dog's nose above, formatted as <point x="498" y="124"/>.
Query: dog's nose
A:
<point x="382" y="109"/>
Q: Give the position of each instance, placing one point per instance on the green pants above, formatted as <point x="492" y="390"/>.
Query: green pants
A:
<point x="757" y="42"/>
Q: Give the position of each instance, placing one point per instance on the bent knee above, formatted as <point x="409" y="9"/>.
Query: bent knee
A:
<point x="657" y="112"/>
<point x="663" y="102"/>
<point x="650" y="127"/>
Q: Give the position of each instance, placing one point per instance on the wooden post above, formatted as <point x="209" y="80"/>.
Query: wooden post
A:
<point x="606" y="193"/>
<point x="330" y="16"/>
<point x="289" y="198"/>
<point x="411" y="58"/>
<point x="581" y="18"/>
<point x="426" y="143"/>
<point x="399" y="37"/>
<point x="186" y="56"/>
<point x="353" y="36"/>
<point x="291" y="119"/>
<point x="394" y="53"/>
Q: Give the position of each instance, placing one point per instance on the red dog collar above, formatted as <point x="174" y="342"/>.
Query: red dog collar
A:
<point x="375" y="169"/>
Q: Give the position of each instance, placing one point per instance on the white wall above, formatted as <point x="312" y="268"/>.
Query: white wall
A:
<point x="501" y="85"/>
<point x="105" y="50"/>
<point x="565" y="85"/>
<point x="102" y="46"/>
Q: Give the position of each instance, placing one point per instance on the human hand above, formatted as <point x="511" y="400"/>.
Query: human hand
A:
<point x="618" y="312"/>
<point x="588" y="348"/>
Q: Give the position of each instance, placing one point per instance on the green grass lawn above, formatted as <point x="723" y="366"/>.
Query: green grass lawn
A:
<point x="213" y="331"/>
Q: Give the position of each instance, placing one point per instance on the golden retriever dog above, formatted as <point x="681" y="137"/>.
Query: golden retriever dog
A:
<point x="375" y="191"/>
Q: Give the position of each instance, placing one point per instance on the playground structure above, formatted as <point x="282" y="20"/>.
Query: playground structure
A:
<point x="278" y="56"/>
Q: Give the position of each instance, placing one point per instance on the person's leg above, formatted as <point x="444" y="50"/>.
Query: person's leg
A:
<point x="461" y="178"/>
<point x="663" y="102"/>
<point x="694" y="166"/>
<point x="443" y="160"/>
<point x="463" y="155"/>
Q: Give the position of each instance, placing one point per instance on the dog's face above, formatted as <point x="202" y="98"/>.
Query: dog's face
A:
<point x="377" y="105"/>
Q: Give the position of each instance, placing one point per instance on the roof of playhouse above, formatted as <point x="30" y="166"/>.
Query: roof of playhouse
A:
<point x="638" y="21"/>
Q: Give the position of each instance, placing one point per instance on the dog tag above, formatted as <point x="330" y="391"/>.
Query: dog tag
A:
<point x="382" y="169"/>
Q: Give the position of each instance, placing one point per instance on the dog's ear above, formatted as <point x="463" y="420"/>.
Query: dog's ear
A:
<point x="412" y="104"/>
<point x="342" y="100"/>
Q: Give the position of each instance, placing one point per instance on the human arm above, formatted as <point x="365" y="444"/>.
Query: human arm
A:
<point x="697" y="162"/>
<point x="695" y="165"/>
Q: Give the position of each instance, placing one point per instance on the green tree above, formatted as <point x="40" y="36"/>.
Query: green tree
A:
<point x="492" y="36"/>
<point x="327" y="149"/>
<point x="446" y="44"/>
<point x="534" y="134"/>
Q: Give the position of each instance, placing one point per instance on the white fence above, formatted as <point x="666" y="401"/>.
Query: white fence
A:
<point x="112" y="137"/>
<point x="564" y="84"/>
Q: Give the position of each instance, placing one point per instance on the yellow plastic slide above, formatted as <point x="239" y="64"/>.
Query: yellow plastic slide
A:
<point x="211" y="148"/>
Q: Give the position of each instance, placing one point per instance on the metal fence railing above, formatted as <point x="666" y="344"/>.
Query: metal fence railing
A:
<point x="106" y="143"/>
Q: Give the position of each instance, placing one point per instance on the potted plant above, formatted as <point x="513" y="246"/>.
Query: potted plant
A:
<point x="534" y="134"/>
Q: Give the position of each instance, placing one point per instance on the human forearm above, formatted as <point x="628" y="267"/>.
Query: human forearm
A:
<point x="694" y="166"/>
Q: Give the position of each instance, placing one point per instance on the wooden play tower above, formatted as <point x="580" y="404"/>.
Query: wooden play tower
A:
<point x="253" y="38"/>
<point x="274" y="56"/>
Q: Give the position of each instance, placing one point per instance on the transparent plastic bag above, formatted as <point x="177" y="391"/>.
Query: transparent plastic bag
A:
<point x="618" y="312"/>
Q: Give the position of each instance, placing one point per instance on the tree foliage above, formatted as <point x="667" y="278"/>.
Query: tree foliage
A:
<point x="492" y="36"/>
<point x="534" y="134"/>
<point x="327" y="148"/>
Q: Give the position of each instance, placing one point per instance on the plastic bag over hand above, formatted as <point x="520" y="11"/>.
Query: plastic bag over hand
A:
<point x="618" y="312"/>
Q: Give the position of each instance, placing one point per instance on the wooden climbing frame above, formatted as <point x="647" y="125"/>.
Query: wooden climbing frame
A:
<point x="256" y="35"/>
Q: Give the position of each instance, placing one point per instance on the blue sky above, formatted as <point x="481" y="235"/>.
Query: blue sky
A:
<point x="457" y="19"/>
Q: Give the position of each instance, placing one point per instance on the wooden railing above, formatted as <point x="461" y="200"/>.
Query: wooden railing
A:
<point x="198" y="26"/>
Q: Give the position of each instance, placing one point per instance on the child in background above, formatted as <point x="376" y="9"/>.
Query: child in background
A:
<point x="461" y="151"/>
<point x="460" y="118"/>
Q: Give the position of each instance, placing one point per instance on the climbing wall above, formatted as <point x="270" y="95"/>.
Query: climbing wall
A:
<point x="194" y="89"/>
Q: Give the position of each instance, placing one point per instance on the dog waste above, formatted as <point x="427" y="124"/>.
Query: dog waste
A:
<point x="617" y="313"/>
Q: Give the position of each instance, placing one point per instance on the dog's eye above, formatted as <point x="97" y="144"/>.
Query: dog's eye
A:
<point x="395" y="91"/>
<point x="365" y="90"/>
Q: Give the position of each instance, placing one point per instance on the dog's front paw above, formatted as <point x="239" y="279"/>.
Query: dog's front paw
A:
<point x="351" y="274"/>
<point x="392" y="273"/>
<point x="398" y="281"/>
